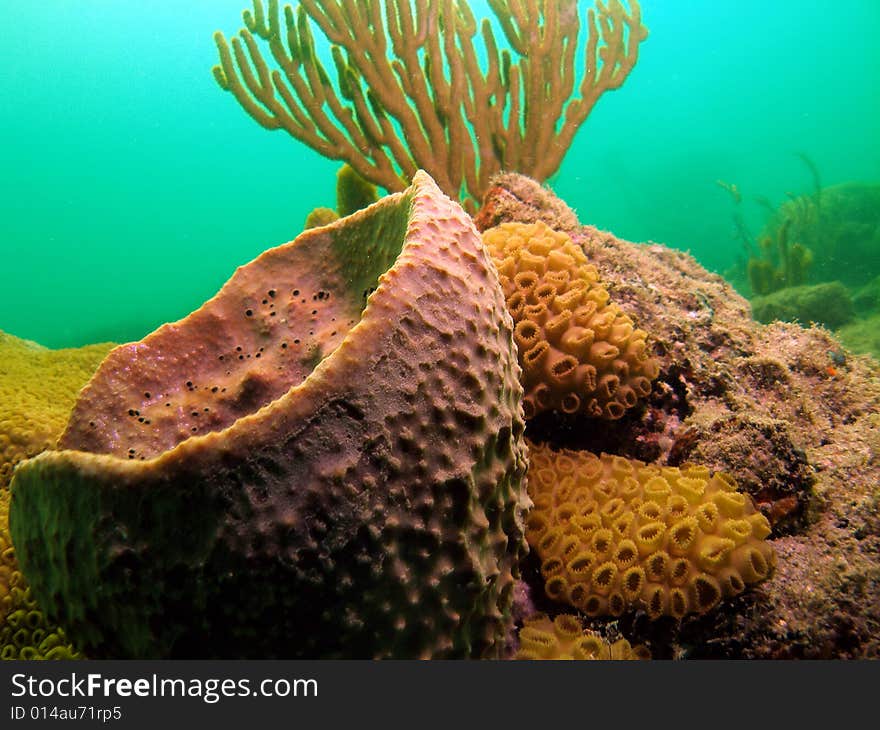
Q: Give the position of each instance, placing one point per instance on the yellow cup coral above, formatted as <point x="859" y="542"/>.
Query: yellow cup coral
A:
<point x="616" y="534"/>
<point x="564" y="638"/>
<point x="579" y="352"/>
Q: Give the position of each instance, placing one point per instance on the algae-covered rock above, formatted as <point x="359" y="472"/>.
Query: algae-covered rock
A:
<point x="840" y="225"/>
<point x="772" y="468"/>
<point x="326" y="459"/>
<point x="862" y="336"/>
<point x="828" y="304"/>
<point x="515" y="197"/>
<point x="866" y="299"/>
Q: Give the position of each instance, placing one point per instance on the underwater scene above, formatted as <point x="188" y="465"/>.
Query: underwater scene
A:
<point x="384" y="329"/>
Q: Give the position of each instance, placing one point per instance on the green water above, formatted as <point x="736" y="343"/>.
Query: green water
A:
<point x="132" y="186"/>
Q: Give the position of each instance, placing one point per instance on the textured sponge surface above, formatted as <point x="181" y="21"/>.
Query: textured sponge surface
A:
<point x="25" y="632"/>
<point x="276" y="320"/>
<point x="578" y="350"/>
<point x="615" y="534"/>
<point x="367" y="504"/>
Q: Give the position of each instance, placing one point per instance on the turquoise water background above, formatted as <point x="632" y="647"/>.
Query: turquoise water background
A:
<point x="132" y="186"/>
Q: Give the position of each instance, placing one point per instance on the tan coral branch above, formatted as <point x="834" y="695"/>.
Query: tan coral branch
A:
<point x="411" y="93"/>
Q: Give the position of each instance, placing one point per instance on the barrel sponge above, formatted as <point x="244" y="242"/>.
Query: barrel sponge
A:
<point x="615" y="534"/>
<point x="324" y="460"/>
<point x="563" y="637"/>
<point x="579" y="352"/>
<point x="38" y="388"/>
<point x="24" y="630"/>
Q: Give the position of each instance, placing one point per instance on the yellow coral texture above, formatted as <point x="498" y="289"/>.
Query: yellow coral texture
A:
<point x="615" y="534"/>
<point x="38" y="388"/>
<point x="24" y="631"/>
<point x="579" y="351"/>
<point x="563" y="637"/>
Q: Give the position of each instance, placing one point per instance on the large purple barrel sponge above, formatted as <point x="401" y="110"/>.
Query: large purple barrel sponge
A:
<point x="324" y="460"/>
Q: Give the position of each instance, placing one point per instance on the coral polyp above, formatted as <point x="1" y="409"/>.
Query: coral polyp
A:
<point x="563" y="637"/>
<point x="580" y="353"/>
<point x="616" y="534"/>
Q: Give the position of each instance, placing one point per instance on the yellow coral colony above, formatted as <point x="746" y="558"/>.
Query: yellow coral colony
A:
<point x="38" y="388"/>
<point x="564" y="638"/>
<point x="579" y="352"/>
<point x="615" y="534"/>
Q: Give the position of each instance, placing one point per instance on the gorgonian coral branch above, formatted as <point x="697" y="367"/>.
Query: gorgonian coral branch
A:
<point x="412" y="90"/>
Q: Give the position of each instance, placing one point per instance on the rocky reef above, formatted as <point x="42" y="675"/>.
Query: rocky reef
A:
<point x="828" y="304"/>
<point x="334" y="447"/>
<point x="785" y="409"/>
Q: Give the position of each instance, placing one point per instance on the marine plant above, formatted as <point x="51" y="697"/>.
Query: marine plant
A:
<point x="353" y="193"/>
<point x="828" y="234"/>
<point x="839" y="224"/>
<point x="781" y="265"/>
<point x="771" y="263"/>
<point x="740" y="227"/>
<point x="411" y="92"/>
